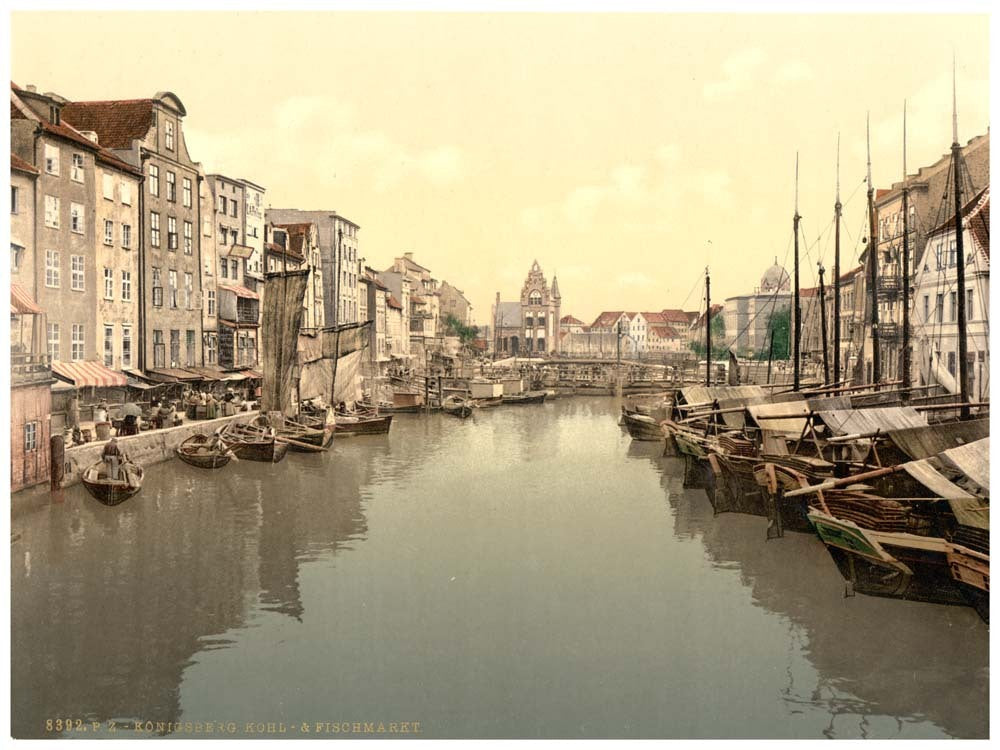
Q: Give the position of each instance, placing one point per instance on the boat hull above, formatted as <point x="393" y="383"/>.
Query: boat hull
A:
<point x="372" y="426"/>
<point x="188" y="453"/>
<point x="641" y="427"/>
<point x="111" y="493"/>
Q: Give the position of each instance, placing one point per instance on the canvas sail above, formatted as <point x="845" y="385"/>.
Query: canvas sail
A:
<point x="280" y="321"/>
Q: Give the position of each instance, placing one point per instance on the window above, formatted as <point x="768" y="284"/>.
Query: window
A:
<point x="109" y="346"/>
<point x="76" y="273"/>
<point x="188" y="290"/>
<point x="222" y="205"/>
<point x="159" y="355"/>
<point x="157" y="288"/>
<point x="210" y="345"/>
<point x="51" y="159"/>
<point x="171" y="233"/>
<point x="109" y="232"/>
<point x="953" y="306"/>
<point x="224" y="268"/>
<point x="52" y="268"/>
<point x="76" y="218"/>
<point x="125" y="191"/>
<point x="126" y="236"/>
<point x="234" y="268"/>
<point x="951" y="254"/>
<point x="76" y="172"/>
<point x="186" y="192"/>
<point x="168" y="131"/>
<point x="15" y="257"/>
<point x="154" y="179"/>
<point x="223" y="233"/>
<point x="211" y="303"/>
<point x="30" y="436"/>
<point x="108" y="187"/>
<point x="171" y="187"/>
<point x="927" y="308"/>
<point x="14" y="195"/>
<point x="126" y="286"/>
<point x="175" y="348"/>
<point x="232" y="208"/>
<point x="126" y="345"/>
<point x="172" y="287"/>
<point x="51" y="211"/>
<point x="188" y="238"/>
<point x="970" y="313"/>
<point x="154" y="229"/>
<point x="189" y="342"/>
<point x="109" y="283"/>
<point x="76" y="348"/>
<point x="234" y="236"/>
<point x="939" y="308"/>
<point x="52" y="344"/>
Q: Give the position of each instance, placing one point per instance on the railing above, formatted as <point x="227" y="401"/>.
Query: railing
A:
<point x="28" y="367"/>
<point x="246" y="311"/>
<point x="888" y="331"/>
<point x="889" y="286"/>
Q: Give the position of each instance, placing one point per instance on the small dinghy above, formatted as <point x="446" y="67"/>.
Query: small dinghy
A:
<point x="204" y="451"/>
<point x="110" y="491"/>
<point x="457" y="407"/>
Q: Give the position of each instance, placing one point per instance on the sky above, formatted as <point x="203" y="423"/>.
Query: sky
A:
<point x="624" y="152"/>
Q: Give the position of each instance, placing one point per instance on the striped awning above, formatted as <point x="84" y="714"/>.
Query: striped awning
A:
<point x="21" y="302"/>
<point x="239" y="291"/>
<point x="83" y="374"/>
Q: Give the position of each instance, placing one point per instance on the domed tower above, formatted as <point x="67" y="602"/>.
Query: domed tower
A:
<point x="775" y="278"/>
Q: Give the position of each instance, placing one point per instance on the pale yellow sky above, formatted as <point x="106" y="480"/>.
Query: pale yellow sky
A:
<point x="612" y="148"/>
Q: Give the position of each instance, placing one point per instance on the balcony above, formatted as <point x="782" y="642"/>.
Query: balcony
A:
<point x="888" y="331"/>
<point x="889" y="287"/>
<point x="27" y="368"/>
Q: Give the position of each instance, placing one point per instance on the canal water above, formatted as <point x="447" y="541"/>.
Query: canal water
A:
<point x="529" y="572"/>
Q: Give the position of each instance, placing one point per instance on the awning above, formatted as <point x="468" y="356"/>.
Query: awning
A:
<point x="254" y="374"/>
<point x="862" y="421"/>
<point x="83" y="374"/>
<point x="240" y="251"/>
<point x="929" y="440"/>
<point x="239" y="291"/>
<point x="171" y="375"/>
<point x="791" y="415"/>
<point x="972" y="461"/>
<point x="21" y="302"/>
<point x="208" y="373"/>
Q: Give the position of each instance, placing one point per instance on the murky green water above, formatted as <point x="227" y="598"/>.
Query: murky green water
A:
<point x="528" y="573"/>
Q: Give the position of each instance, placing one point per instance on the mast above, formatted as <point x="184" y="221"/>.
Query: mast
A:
<point x="963" y="344"/>
<point x="906" y="272"/>
<point x="822" y="320"/>
<point x="837" y="207"/>
<point x="708" y="328"/>
<point x="796" y="310"/>
<point x="873" y="264"/>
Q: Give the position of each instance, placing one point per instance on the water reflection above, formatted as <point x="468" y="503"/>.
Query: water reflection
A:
<point x="530" y="572"/>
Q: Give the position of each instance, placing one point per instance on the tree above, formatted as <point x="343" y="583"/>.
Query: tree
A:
<point x="455" y="327"/>
<point x="719" y="349"/>
<point x="779" y="327"/>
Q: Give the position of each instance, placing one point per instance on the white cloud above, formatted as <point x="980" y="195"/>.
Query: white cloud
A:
<point x="346" y="152"/>
<point x="739" y="71"/>
<point x="792" y="71"/>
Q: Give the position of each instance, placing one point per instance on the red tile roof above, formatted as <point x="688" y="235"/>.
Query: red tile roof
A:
<point x="301" y="227"/>
<point x="21" y="165"/>
<point x="393" y="302"/>
<point x="679" y="316"/>
<point x="664" y="332"/>
<point x="654" y="318"/>
<point x="607" y="318"/>
<point x="571" y="320"/>
<point x="117" y="123"/>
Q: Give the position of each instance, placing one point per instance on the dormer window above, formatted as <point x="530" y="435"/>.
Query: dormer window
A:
<point x="168" y="129"/>
<point x="54" y="114"/>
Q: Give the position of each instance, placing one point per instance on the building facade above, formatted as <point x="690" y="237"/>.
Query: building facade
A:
<point x="531" y="325"/>
<point x="747" y="316"/>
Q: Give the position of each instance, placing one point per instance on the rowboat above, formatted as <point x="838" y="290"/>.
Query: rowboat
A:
<point x="457" y="407"/>
<point x="642" y="427"/>
<point x="528" y="397"/>
<point x="253" y="442"/>
<point x="305" y="431"/>
<point x="485" y="403"/>
<point x="110" y="491"/>
<point x="363" y="424"/>
<point x="199" y="450"/>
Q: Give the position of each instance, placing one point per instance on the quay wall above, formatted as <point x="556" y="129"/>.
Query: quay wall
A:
<point x="146" y="448"/>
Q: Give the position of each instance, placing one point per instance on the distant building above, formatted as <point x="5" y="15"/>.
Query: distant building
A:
<point x="454" y="303"/>
<point x="569" y="324"/>
<point x="748" y="316"/>
<point x="531" y="325"/>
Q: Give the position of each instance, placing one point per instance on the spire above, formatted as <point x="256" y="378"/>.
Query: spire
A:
<point x="555" y="287"/>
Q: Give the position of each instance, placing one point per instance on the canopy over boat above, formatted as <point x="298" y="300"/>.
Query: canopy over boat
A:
<point x="861" y="421"/>
<point x="929" y="440"/>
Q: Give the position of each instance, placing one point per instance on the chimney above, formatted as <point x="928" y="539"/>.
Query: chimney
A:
<point x="32" y="88"/>
<point x="408" y="256"/>
<point x="90" y="135"/>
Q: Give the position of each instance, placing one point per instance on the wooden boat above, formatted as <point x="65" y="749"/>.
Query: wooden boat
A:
<point x="643" y="427"/>
<point x="253" y="442"/>
<point x="387" y="408"/>
<point x="113" y="492"/>
<point x="457" y="407"/>
<point x="486" y="403"/>
<point x="528" y="397"/>
<point x="306" y="430"/>
<point x="199" y="451"/>
<point x="363" y="424"/>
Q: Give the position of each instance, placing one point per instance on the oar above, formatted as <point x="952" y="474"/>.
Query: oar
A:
<point x="299" y="443"/>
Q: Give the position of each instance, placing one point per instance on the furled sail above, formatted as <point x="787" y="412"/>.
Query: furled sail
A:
<point x="280" y="321"/>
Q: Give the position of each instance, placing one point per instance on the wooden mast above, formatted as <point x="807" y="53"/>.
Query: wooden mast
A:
<point x="873" y="264"/>
<point x="822" y="319"/>
<point x="836" y="275"/>
<point x="905" y="364"/>
<point x="796" y="309"/>
<point x="963" y="344"/>
<point x="708" y="328"/>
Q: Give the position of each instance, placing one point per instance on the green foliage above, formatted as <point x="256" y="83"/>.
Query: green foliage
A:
<point x="719" y="350"/>
<point x="454" y="327"/>
<point x="779" y="326"/>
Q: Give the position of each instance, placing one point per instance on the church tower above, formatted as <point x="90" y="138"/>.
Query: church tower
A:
<point x="539" y="312"/>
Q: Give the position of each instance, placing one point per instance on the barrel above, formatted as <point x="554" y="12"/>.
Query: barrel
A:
<point x="103" y="430"/>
